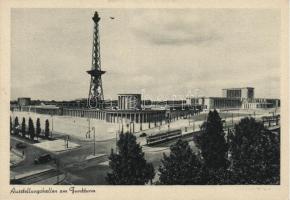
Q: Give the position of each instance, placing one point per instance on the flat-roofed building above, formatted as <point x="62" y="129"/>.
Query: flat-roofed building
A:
<point x="260" y="103"/>
<point x="241" y="93"/>
<point x="42" y="109"/>
<point x="129" y="101"/>
<point x="24" y="101"/>
<point x="195" y="101"/>
<point x="221" y="103"/>
<point x="215" y="102"/>
<point x="234" y="98"/>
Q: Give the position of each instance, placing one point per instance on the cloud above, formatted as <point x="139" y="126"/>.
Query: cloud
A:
<point x="178" y="37"/>
<point x="162" y="51"/>
<point x="176" y="31"/>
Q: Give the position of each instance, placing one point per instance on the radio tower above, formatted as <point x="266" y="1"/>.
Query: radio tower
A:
<point x="96" y="96"/>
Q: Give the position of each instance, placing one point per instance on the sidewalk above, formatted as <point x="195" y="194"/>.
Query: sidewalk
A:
<point x="57" y="146"/>
<point x="15" y="157"/>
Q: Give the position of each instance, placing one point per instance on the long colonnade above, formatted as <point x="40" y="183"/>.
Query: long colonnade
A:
<point x="152" y="118"/>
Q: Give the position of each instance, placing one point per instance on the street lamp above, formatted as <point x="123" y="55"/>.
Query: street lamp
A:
<point x="131" y="128"/>
<point x="118" y="120"/>
<point x="93" y="128"/>
<point x="51" y="124"/>
<point x="193" y="111"/>
<point x="118" y="132"/>
<point x="117" y="141"/>
<point x="89" y="128"/>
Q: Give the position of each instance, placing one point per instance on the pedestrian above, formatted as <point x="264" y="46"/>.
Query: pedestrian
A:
<point x="23" y="153"/>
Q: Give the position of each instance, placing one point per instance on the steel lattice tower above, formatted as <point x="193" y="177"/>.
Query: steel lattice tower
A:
<point x="96" y="96"/>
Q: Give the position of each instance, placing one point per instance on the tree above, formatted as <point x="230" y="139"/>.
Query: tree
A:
<point x="11" y="128"/>
<point x="221" y="176"/>
<point x="255" y="154"/>
<point x="46" y="130"/>
<point x="38" y="128"/>
<point x="31" y="130"/>
<point x="23" y="127"/>
<point x="181" y="167"/>
<point x="129" y="166"/>
<point x="212" y="142"/>
<point x="16" y="126"/>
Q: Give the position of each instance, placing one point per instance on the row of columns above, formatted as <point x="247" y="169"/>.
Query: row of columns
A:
<point x="138" y="117"/>
<point x="226" y="103"/>
<point x="40" y="110"/>
<point x="97" y="114"/>
<point x="133" y="116"/>
<point x="126" y="102"/>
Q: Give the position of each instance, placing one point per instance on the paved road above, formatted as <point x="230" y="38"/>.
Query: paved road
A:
<point x="74" y="174"/>
<point x="30" y="154"/>
<point x="80" y="175"/>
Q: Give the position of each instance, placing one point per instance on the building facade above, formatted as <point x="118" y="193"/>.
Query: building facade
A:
<point x="208" y="103"/>
<point x="234" y="98"/>
<point x="129" y="101"/>
<point x="241" y="93"/>
<point x="260" y="103"/>
<point x="221" y="103"/>
<point x="23" y="101"/>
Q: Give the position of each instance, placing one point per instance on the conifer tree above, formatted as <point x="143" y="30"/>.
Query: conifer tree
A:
<point x="212" y="143"/>
<point x="255" y="154"/>
<point x="31" y="130"/>
<point x="46" y="130"/>
<point x="16" y="126"/>
<point x="181" y="167"/>
<point x="38" y="128"/>
<point x="11" y="128"/>
<point x="23" y="127"/>
<point x="129" y="166"/>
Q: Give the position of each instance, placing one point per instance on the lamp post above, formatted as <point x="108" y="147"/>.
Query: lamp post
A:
<point x="131" y="128"/>
<point x="93" y="128"/>
<point x="193" y="127"/>
<point x="117" y="141"/>
<point x="193" y="111"/>
<point x="118" y="124"/>
<point x="51" y="125"/>
<point x="118" y="132"/>
<point x="89" y="128"/>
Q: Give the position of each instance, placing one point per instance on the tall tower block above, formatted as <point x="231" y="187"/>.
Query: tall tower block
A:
<point x="96" y="95"/>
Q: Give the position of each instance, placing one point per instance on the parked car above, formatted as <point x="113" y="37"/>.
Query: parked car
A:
<point x="143" y="134"/>
<point x="43" y="159"/>
<point x="20" y="145"/>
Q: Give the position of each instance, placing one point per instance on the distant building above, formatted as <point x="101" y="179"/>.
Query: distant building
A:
<point x="215" y="102"/>
<point x="234" y="98"/>
<point x="129" y="101"/>
<point x="23" y="101"/>
<point x="241" y="93"/>
<point x="110" y="104"/>
<point x="260" y="103"/>
<point x="221" y="103"/>
<point x="42" y="109"/>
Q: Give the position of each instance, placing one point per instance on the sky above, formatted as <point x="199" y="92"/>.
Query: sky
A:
<point x="161" y="53"/>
